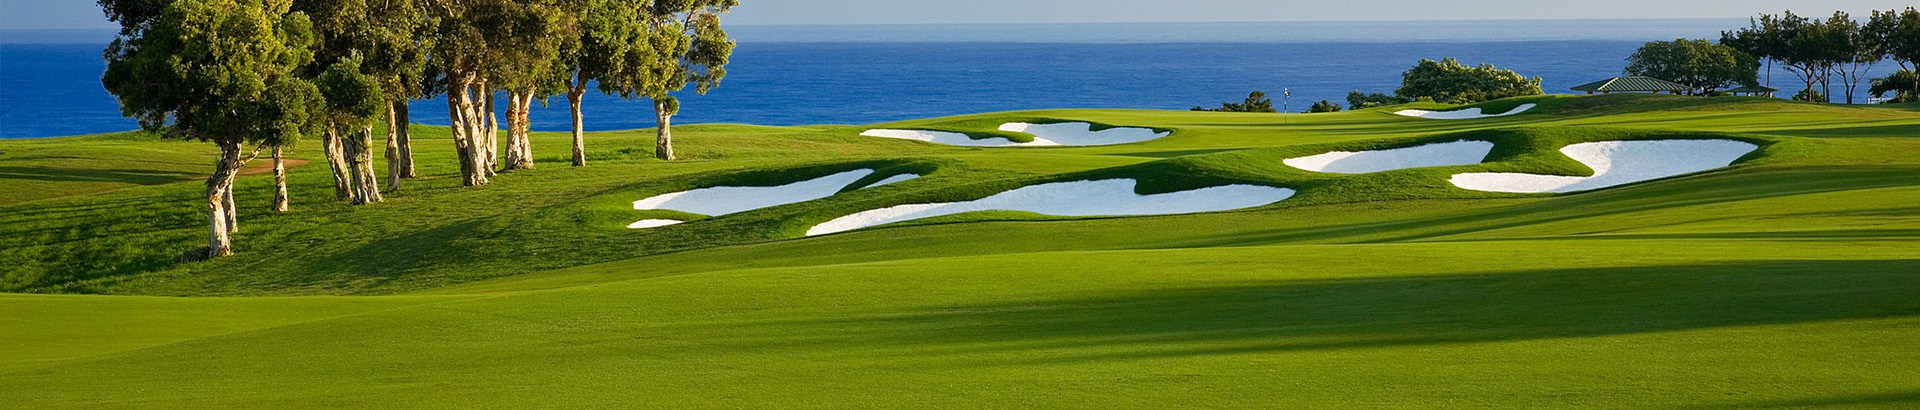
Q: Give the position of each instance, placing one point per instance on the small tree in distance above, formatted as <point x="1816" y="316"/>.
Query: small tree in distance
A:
<point x="1324" y="106"/>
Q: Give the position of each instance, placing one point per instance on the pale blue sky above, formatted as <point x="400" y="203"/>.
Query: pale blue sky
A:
<point x="45" y="14"/>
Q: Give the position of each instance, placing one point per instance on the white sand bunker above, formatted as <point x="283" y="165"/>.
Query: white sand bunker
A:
<point x="1617" y="163"/>
<point x="654" y="223"/>
<point x="1430" y="155"/>
<point x="1111" y="197"/>
<point x="1066" y="134"/>
<point x="724" y="200"/>
<point x="1465" y="114"/>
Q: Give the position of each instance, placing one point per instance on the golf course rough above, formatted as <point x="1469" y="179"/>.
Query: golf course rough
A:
<point x="722" y="200"/>
<point x="1110" y="197"/>
<point x="1616" y="163"/>
<point x="1363" y="162"/>
<point x="1462" y="114"/>
<point x="1064" y="134"/>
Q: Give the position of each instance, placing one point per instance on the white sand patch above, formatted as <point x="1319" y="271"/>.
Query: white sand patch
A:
<point x="1430" y="155"/>
<point x="653" y="223"/>
<point x="1617" y="163"/>
<point x="724" y="200"/>
<point x="1465" y="114"/>
<point x="893" y="179"/>
<point x="1111" y="197"/>
<point x="940" y="137"/>
<point x="1079" y="134"/>
<point x="1066" y="134"/>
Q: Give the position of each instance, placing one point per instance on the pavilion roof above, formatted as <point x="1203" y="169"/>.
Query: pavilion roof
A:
<point x="1630" y="84"/>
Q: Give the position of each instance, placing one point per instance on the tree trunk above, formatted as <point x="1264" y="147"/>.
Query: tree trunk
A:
<point x="519" y="147"/>
<point x="574" y="92"/>
<point x="467" y="134"/>
<point x="366" y="184"/>
<point x="393" y="149"/>
<point x="1826" y="85"/>
<point x="233" y="212"/>
<point x="404" y="120"/>
<point x="280" y="200"/>
<point x="330" y="142"/>
<point x="220" y="215"/>
<point x="490" y="148"/>
<point x="663" y="145"/>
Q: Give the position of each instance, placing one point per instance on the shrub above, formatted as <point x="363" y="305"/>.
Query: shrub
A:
<point x="1448" y="81"/>
<point x="1359" y="100"/>
<point x="1904" y="84"/>
<point x="1256" y="102"/>
<point x="1810" y="95"/>
<point x="1324" y="106"/>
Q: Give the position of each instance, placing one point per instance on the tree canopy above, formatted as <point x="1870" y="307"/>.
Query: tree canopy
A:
<point x="217" y="70"/>
<point x="1703" y="65"/>
<point x="1448" y="81"/>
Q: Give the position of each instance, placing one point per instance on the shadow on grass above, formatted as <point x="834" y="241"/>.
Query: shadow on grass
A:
<point x="1894" y="400"/>
<point x="138" y="177"/>
<point x="1302" y="315"/>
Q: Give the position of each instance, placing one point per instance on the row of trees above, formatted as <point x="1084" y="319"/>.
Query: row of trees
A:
<point x="1838" y="47"/>
<point x="264" y="74"/>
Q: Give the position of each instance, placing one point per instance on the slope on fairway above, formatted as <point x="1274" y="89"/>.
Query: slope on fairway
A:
<point x="1568" y="323"/>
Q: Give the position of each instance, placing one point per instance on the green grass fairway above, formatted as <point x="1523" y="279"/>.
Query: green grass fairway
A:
<point x="1788" y="280"/>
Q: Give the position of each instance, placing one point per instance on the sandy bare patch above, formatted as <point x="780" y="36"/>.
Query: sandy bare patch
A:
<point x="1617" y="163"/>
<point x="1111" y="197"/>
<point x="1430" y="155"/>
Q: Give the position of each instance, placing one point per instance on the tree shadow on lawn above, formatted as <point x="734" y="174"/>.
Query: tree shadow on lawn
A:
<point x="1304" y="315"/>
<point x="137" y="177"/>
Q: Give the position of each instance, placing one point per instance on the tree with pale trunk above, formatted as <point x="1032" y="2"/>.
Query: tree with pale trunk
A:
<point x="354" y="101"/>
<point x="1897" y="33"/>
<point x="469" y="34"/>
<point x="386" y="37"/>
<point x="605" y="35"/>
<point x="532" y="68"/>
<point x="220" y="71"/>
<point x="688" y="47"/>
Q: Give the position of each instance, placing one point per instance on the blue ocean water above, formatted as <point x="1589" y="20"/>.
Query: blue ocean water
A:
<point x="796" y="75"/>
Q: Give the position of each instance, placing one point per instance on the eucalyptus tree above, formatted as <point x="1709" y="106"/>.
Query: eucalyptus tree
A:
<point x="689" y="48"/>
<point x="605" y="36"/>
<point x="532" y="68"/>
<point x="220" y="71"/>
<point x="1856" y="50"/>
<point x="354" y="101"/>
<point x="399" y="41"/>
<point x="1897" y="32"/>
<point x="1799" y="44"/>
<point x="468" y="34"/>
